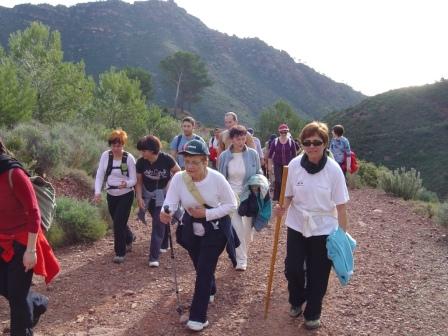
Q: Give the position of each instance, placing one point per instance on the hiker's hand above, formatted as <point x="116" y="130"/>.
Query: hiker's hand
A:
<point x="29" y="260"/>
<point x="165" y="218"/>
<point x="122" y="185"/>
<point x="279" y="211"/>
<point x="97" y="198"/>
<point x="197" y="212"/>
<point x="141" y="203"/>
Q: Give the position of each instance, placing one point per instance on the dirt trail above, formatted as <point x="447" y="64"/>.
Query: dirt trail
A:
<point x="400" y="286"/>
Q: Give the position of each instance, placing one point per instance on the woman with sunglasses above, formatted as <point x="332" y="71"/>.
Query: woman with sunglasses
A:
<point x="281" y="151"/>
<point x="315" y="203"/>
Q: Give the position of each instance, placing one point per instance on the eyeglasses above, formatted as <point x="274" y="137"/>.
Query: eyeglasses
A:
<point x="192" y="163"/>
<point x="315" y="143"/>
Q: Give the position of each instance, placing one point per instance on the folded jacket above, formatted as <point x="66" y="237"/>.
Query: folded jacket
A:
<point x="340" y="248"/>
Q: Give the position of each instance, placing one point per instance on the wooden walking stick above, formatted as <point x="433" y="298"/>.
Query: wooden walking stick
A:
<point x="276" y="235"/>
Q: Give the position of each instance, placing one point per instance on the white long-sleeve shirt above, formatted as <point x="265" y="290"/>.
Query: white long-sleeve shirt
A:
<point x="214" y="189"/>
<point x="116" y="177"/>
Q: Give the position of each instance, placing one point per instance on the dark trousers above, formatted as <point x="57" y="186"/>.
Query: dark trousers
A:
<point x="312" y="287"/>
<point x="204" y="254"/>
<point x="159" y="235"/>
<point x="120" y="209"/>
<point x="25" y="305"/>
<point x="278" y="171"/>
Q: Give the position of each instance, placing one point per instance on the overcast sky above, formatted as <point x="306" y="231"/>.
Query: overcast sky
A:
<point x="371" y="45"/>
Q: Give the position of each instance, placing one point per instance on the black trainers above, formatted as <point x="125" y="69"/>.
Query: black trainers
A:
<point x="295" y="311"/>
<point x="39" y="309"/>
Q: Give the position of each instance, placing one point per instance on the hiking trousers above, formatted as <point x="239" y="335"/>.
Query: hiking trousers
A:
<point x="25" y="305"/>
<point x="120" y="209"/>
<point x="308" y="285"/>
<point x="159" y="234"/>
<point x="204" y="253"/>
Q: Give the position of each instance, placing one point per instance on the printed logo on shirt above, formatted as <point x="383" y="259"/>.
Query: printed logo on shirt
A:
<point x="156" y="174"/>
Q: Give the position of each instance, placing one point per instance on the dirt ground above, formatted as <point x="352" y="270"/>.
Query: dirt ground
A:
<point x="400" y="286"/>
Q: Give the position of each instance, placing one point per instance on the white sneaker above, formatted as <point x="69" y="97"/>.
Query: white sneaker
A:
<point x="163" y="250"/>
<point x="242" y="267"/>
<point x="196" y="326"/>
<point x="118" y="260"/>
<point x="211" y="299"/>
<point x="154" y="264"/>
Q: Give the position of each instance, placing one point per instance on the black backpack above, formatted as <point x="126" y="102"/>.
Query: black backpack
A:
<point x="123" y="166"/>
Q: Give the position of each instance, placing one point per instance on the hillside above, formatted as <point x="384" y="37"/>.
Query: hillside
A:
<point x="248" y="74"/>
<point x="406" y="127"/>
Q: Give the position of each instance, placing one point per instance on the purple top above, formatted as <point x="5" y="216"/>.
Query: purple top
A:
<point x="280" y="153"/>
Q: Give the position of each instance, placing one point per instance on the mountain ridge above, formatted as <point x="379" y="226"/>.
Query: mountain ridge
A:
<point x="115" y="33"/>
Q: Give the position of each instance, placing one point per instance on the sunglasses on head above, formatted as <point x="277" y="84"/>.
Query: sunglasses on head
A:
<point x="315" y="143"/>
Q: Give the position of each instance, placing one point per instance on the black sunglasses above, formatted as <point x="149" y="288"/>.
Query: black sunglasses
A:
<point x="315" y="143"/>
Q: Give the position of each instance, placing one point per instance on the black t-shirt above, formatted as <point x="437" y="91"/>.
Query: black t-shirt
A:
<point x="156" y="175"/>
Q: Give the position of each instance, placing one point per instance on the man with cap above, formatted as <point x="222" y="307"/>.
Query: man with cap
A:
<point x="206" y="228"/>
<point x="282" y="150"/>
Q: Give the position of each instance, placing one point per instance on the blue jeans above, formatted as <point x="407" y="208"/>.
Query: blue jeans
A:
<point x="158" y="232"/>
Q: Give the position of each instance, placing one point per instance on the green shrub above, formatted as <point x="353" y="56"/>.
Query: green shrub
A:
<point x="56" y="235"/>
<point x="79" y="177"/>
<point x="426" y="209"/>
<point x="354" y="181"/>
<point x="442" y="214"/>
<point x="80" y="220"/>
<point x="400" y="182"/>
<point x="426" y="195"/>
<point x="368" y="174"/>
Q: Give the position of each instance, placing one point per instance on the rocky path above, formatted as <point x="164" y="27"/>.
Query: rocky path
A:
<point x="400" y="285"/>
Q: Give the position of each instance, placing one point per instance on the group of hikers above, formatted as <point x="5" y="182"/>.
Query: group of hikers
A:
<point x="219" y="194"/>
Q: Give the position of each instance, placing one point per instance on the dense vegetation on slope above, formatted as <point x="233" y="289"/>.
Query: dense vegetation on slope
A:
<point x="248" y="75"/>
<point x="406" y="127"/>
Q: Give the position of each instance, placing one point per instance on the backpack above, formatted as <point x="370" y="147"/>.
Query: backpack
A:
<point x="289" y="142"/>
<point x="46" y="198"/>
<point x="123" y="167"/>
<point x="354" y="166"/>
<point x="179" y="139"/>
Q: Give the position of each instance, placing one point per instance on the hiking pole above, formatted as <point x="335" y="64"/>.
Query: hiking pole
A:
<point x="170" y="239"/>
<point x="276" y="236"/>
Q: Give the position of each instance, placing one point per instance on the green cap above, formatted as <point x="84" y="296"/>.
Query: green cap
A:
<point x="195" y="147"/>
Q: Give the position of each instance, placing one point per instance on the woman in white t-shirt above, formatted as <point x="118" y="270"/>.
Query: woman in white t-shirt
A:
<point x="238" y="163"/>
<point x="117" y="169"/>
<point x="206" y="229"/>
<point x="315" y="200"/>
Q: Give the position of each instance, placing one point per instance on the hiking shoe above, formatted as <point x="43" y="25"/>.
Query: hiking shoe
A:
<point x="312" y="324"/>
<point x="295" y="311"/>
<point x="154" y="264"/>
<point x="241" y="267"/>
<point x="39" y="309"/>
<point x="211" y="299"/>
<point x="162" y="250"/>
<point x="196" y="326"/>
<point x="118" y="260"/>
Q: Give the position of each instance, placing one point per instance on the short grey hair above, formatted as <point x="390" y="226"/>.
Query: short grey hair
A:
<point x="232" y="114"/>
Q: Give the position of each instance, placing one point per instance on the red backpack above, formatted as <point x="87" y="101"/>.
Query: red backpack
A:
<point x="353" y="163"/>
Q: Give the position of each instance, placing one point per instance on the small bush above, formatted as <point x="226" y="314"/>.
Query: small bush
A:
<point x="368" y="174"/>
<point x="79" y="177"/>
<point x="427" y="196"/>
<point x="56" y="235"/>
<point x="400" y="182"/>
<point x="442" y="214"/>
<point x="80" y="220"/>
<point x="426" y="209"/>
<point x="354" y="181"/>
